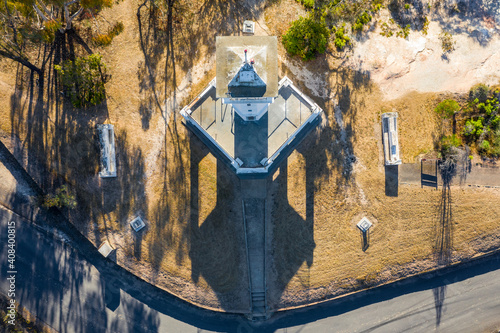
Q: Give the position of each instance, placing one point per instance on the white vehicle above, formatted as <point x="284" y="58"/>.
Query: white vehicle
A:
<point x="390" y="138"/>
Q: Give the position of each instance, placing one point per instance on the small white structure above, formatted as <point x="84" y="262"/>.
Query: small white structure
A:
<point x="364" y="224"/>
<point x="137" y="224"/>
<point x="107" y="145"/>
<point x="249" y="27"/>
<point x="390" y="138"/>
<point x="105" y="249"/>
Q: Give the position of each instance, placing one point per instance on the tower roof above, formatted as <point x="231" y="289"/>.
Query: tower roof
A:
<point x="247" y="83"/>
<point x="236" y="77"/>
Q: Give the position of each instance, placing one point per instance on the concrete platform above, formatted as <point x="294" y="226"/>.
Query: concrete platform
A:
<point x="251" y="141"/>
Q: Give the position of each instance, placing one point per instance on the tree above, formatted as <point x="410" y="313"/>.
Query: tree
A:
<point x="447" y="108"/>
<point x="25" y="23"/>
<point x="83" y="80"/>
<point x="62" y="198"/>
<point x="306" y="38"/>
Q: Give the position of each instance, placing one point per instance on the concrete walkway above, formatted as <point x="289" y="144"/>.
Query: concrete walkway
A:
<point x="254" y="203"/>
<point x="411" y="173"/>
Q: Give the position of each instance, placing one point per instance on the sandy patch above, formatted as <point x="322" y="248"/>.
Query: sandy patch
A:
<point x="401" y="65"/>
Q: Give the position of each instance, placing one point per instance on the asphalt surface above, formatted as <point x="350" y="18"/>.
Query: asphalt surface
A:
<point x="70" y="294"/>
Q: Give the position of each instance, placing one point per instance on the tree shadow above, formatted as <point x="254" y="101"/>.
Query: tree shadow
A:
<point x="226" y="18"/>
<point x="293" y="237"/>
<point x="156" y="37"/>
<point x="165" y="33"/>
<point x="479" y="17"/>
<point x="405" y="12"/>
<point x="444" y="226"/>
<point x="348" y="83"/>
<point x="56" y="284"/>
<point x="216" y="243"/>
<point x="439" y="297"/>
<point x="60" y="145"/>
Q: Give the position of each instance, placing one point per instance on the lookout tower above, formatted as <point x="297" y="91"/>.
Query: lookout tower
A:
<point x="249" y="119"/>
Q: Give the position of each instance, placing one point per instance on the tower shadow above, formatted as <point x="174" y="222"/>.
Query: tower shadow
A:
<point x="391" y="180"/>
<point x="218" y="257"/>
<point x="293" y="238"/>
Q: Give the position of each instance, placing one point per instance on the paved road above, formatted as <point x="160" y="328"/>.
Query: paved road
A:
<point x="463" y="301"/>
<point x="71" y="295"/>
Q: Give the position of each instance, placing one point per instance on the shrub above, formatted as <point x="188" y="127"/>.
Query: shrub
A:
<point x="447" y="42"/>
<point x="495" y="122"/>
<point x="404" y="32"/>
<point x="49" y="30"/>
<point x="102" y="39"/>
<point x="484" y="146"/>
<point x="490" y="106"/>
<point x="450" y="141"/>
<point x="480" y="92"/>
<point x="106" y="39"/>
<point x="362" y="19"/>
<point x="386" y="30"/>
<point x="425" y="27"/>
<point x="83" y="80"/>
<point x="341" y="39"/>
<point x="307" y="3"/>
<point x="306" y="38"/>
<point x="447" y="108"/>
<point x="449" y="145"/>
<point x="473" y="128"/>
<point x="61" y="199"/>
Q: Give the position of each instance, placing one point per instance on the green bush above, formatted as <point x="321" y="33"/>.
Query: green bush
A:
<point x="106" y="39"/>
<point x="473" y="128"/>
<point x="450" y="141"/>
<point x="341" y="39"/>
<point x="480" y="92"/>
<point x="362" y="19"/>
<point x="49" y="30"/>
<point x="404" y="32"/>
<point x="485" y="146"/>
<point x="447" y="42"/>
<point x="425" y="26"/>
<point x="61" y="199"/>
<point x="490" y="106"/>
<point x="307" y="3"/>
<point x="449" y="145"/>
<point x="83" y="80"/>
<point x="495" y="143"/>
<point x="495" y="122"/>
<point x="447" y="108"/>
<point x="306" y="38"/>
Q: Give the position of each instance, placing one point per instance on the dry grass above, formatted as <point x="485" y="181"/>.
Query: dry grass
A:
<point x="318" y="248"/>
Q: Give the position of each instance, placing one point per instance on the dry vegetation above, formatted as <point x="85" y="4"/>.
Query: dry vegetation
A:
<point x="319" y="196"/>
<point x="193" y="242"/>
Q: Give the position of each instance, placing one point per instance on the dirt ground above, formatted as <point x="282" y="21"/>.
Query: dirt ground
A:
<point x="192" y="245"/>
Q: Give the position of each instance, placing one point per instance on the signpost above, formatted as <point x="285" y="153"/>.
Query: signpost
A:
<point x="364" y="225"/>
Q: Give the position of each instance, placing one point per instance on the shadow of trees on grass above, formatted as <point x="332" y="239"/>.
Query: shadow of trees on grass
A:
<point x="58" y="144"/>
